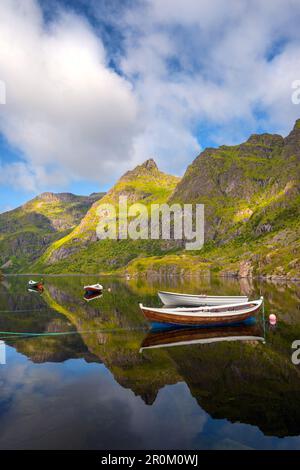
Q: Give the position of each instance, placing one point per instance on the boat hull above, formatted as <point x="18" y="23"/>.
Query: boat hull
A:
<point x="220" y="315"/>
<point x="197" y="320"/>
<point x="93" y="289"/>
<point x="173" y="299"/>
<point x="36" y="285"/>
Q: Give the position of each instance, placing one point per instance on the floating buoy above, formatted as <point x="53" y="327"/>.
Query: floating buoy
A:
<point x="272" y="319"/>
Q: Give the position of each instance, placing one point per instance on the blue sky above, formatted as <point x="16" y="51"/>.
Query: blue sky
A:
<point x="94" y="88"/>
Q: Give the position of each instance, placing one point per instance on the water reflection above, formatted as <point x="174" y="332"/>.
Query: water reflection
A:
<point x="88" y="296"/>
<point x="213" y="374"/>
<point x="36" y="290"/>
<point x="191" y="336"/>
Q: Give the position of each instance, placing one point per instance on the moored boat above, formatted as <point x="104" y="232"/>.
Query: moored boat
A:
<point x="173" y="299"/>
<point x="36" y="284"/>
<point x="193" y="316"/>
<point x="93" y="288"/>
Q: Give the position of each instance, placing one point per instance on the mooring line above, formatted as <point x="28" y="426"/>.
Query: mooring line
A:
<point x="27" y="310"/>
<point x="9" y="334"/>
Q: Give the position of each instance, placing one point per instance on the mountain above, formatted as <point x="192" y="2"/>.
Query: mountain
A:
<point x="27" y="231"/>
<point x="81" y="251"/>
<point x="251" y="194"/>
<point x="244" y="182"/>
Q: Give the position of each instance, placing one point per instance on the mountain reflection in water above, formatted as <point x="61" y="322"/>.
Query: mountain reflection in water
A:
<point x="94" y="373"/>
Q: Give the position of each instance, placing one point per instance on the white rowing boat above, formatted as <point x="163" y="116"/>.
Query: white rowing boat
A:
<point x="213" y="315"/>
<point x="173" y="299"/>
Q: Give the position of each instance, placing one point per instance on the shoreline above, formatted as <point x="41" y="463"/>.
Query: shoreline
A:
<point x="153" y="275"/>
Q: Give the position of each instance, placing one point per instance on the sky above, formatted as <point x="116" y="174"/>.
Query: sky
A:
<point x="93" y="88"/>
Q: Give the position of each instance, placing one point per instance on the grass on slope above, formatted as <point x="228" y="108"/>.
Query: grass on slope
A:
<point x="139" y="186"/>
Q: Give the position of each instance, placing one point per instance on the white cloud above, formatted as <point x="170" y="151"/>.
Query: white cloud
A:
<point x="21" y="175"/>
<point x="221" y="68"/>
<point x="67" y="111"/>
<point x="221" y="65"/>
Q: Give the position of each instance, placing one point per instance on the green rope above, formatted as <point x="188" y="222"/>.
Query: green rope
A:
<point x="60" y="333"/>
<point x="27" y="310"/>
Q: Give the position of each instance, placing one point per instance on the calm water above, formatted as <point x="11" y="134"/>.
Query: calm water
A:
<point x="93" y="388"/>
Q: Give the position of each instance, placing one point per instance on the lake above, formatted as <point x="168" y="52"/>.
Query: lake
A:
<point x="84" y="375"/>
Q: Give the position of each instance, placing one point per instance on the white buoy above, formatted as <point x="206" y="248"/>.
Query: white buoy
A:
<point x="272" y="319"/>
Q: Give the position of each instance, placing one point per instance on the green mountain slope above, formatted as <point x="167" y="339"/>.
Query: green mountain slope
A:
<point x="82" y="251"/>
<point x="240" y="185"/>
<point x="27" y="231"/>
<point x="251" y="194"/>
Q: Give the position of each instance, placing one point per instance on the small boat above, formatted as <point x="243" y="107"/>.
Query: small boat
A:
<point x="36" y="284"/>
<point x="189" y="336"/>
<point x="93" y="288"/>
<point x="193" y="316"/>
<point x="173" y="299"/>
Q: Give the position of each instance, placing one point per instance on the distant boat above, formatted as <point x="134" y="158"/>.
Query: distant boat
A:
<point x="173" y="299"/>
<point x="193" y="316"/>
<point x="190" y="336"/>
<point x="36" y="284"/>
<point x="94" y="288"/>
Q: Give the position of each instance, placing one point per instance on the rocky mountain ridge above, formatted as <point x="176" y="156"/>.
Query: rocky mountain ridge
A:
<point x="25" y="232"/>
<point x="251" y="194"/>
